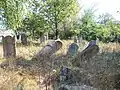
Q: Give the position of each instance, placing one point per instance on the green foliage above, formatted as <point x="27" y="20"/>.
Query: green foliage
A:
<point x="49" y="15"/>
<point x="14" y="12"/>
<point x="88" y="25"/>
<point x="106" y="29"/>
<point x="35" y="25"/>
<point x="102" y="33"/>
<point x="70" y="28"/>
<point x="57" y="11"/>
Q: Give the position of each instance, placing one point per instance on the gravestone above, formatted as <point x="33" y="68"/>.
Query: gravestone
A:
<point x="80" y="40"/>
<point x="44" y="58"/>
<point x="24" y="39"/>
<point x="63" y="59"/>
<point x="65" y="74"/>
<point x="9" y="47"/>
<point x="75" y="39"/>
<point x="89" y="52"/>
<point x="73" y="49"/>
<point x="42" y="39"/>
<point x="91" y="43"/>
<point x="50" y="48"/>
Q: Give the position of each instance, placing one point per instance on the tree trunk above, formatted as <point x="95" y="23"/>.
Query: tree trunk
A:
<point x="56" y="29"/>
<point x="33" y="34"/>
<point x="9" y="48"/>
<point x="24" y="39"/>
<point x="56" y="24"/>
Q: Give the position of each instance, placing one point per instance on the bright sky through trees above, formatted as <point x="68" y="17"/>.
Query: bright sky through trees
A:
<point x="103" y="6"/>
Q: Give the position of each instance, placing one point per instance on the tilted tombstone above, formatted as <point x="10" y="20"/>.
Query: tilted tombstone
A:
<point x="91" y="43"/>
<point x="44" y="57"/>
<point x="9" y="47"/>
<point x="73" y="49"/>
<point x="50" y="49"/>
<point x="89" y="52"/>
<point x="24" y="39"/>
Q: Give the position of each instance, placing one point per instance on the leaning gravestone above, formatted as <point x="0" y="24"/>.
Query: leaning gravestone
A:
<point x="9" y="47"/>
<point x="44" y="58"/>
<point x="91" y="43"/>
<point x="23" y="39"/>
<point x="49" y="49"/>
<point x="89" y="52"/>
<point x="73" y="49"/>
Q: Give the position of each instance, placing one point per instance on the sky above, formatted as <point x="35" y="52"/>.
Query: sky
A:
<point x="103" y="6"/>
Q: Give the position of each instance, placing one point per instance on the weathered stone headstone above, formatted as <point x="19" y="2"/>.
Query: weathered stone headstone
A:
<point x="50" y="48"/>
<point x="63" y="59"/>
<point x="80" y="40"/>
<point x="42" y="39"/>
<point x="44" y="58"/>
<point x="9" y="47"/>
<point x="86" y="54"/>
<point x="91" y="43"/>
<point x="73" y="49"/>
<point x="89" y="52"/>
<point x="65" y="74"/>
<point x="75" y="39"/>
<point x="24" y="39"/>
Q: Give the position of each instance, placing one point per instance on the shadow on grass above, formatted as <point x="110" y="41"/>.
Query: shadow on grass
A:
<point x="101" y="71"/>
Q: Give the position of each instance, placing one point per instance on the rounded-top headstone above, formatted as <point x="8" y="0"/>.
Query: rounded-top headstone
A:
<point x="91" y="43"/>
<point x="58" y="43"/>
<point x="73" y="49"/>
<point x="51" y="48"/>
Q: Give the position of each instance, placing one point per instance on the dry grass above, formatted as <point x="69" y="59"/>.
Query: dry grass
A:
<point x="108" y="52"/>
<point x="26" y="53"/>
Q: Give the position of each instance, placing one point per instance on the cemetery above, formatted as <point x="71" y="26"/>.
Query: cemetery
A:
<point x="59" y="64"/>
<point x="75" y="70"/>
<point x="59" y="45"/>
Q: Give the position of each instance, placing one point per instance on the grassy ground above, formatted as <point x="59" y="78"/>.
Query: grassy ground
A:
<point x="26" y="53"/>
<point x="108" y="57"/>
